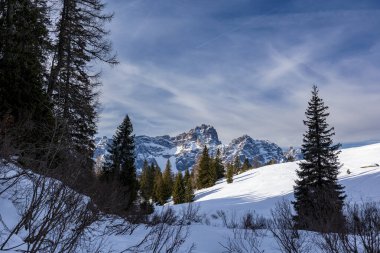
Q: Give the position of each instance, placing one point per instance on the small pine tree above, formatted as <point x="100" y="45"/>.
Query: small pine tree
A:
<point x="158" y="189"/>
<point x="189" y="191"/>
<point x="167" y="178"/>
<point x="290" y="158"/>
<point x="219" y="168"/>
<point x="318" y="196"/>
<point x="230" y="173"/>
<point x="246" y="165"/>
<point x="147" y="181"/>
<point x="204" y="177"/>
<point x="237" y="165"/>
<point x="179" y="189"/>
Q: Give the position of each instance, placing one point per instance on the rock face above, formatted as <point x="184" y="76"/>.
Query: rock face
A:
<point x="184" y="149"/>
<point x="153" y="149"/>
<point x="255" y="150"/>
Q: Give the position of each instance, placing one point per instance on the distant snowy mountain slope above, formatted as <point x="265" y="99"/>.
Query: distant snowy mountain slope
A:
<point x="184" y="149"/>
<point x="259" y="189"/>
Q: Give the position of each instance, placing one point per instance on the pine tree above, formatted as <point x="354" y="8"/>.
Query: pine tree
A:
<point x="179" y="189"/>
<point x="246" y="165"/>
<point x="24" y="46"/>
<point x="80" y="39"/>
<point x="120" y="164"/>
<point x="219" y="168"/>
<point x="189" y="191"/>
<point x="167" y="178"/>
<point x="237" y="165"/>
<point x="230" y="173"/>
<point x="147" y="181"/>
<point x="318" y="196"/>
<point x="158" y="190"/>
<point x="204" y="177"/>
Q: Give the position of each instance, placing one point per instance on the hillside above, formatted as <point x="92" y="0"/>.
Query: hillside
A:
<point x="255" y="190"/>
<point x="259" y="189"/>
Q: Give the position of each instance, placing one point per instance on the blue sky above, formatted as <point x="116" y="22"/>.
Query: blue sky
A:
<point x="245" y="67"/>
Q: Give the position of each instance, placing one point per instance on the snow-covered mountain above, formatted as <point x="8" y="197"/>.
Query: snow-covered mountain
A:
<point x="184" y="149"/>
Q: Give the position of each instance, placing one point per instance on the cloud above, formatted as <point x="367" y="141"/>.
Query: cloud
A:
<point x="245" y="71"/>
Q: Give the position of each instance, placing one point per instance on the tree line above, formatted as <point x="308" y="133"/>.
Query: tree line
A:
<point x="158" y="187"/>
<point x="210" y="169"/>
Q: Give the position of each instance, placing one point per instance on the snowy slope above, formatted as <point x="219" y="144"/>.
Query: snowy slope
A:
<point x="258" y="190"/>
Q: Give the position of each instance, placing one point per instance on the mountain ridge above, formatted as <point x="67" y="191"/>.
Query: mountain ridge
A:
<point x="184" y="149"/>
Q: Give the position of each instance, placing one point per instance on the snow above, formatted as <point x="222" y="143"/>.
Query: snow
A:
<point x="259" y="189"/>
<point x="255" y="190"/>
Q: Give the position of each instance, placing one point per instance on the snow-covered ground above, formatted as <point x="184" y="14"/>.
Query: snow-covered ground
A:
<point x="259" y="189"/>
<point x="255" y="190"/>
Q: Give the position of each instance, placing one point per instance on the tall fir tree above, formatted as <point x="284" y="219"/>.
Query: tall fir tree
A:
<point x="24" y="48"/>
<point x="179" y="189"/>
<point x="189" y="191"/>
<point x="168" y="180"/>
<point x="319" y="198"/>
<point x="81" y="39"/>
<point x="230" y="173"/>
<point x="205" y="171"/>
<point x="120" y="163"/>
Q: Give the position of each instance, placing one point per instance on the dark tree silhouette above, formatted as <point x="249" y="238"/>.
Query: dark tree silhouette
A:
<point x="120" y="163"/>
<point x="318" y="196"/>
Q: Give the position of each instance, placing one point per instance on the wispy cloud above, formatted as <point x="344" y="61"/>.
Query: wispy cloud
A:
<point x="243" y="70"/>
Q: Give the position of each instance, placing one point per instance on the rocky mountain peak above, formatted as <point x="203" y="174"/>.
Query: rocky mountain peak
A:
<point x="201" y="135"/>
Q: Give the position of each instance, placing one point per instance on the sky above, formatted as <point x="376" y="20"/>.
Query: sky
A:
<point x="244" y="67"/>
